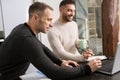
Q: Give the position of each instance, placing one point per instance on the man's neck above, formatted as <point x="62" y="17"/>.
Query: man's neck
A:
<point x="32" y="27"/>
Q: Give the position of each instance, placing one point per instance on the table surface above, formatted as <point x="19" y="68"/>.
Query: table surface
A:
<point x="93" y="76"/>
<point x="100" y="76"/>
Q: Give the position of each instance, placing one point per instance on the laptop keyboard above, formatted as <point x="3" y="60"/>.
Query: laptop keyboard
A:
<point x="107" y="65"/>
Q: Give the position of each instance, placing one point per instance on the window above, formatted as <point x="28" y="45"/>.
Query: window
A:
<point x="88" y="18"/>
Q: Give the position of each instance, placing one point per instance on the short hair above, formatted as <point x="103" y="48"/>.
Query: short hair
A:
<point x="38" y="8"/>
<point x="65" y="2"/>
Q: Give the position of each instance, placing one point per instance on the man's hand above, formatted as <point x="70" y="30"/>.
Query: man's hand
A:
<point x="69" y="63"/>
<point x="95" y="64"/>
<point x="88" y="53"/>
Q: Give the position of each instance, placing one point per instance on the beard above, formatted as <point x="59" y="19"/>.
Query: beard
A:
<point x="67" y="18"/>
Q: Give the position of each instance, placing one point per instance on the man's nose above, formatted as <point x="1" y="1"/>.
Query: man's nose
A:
<point x="51" y="25"/>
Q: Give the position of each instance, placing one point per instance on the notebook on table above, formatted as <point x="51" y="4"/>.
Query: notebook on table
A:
<point x="102" y="57"/>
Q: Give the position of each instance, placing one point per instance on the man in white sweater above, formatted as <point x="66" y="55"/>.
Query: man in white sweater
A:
<point x="64" y="34"/>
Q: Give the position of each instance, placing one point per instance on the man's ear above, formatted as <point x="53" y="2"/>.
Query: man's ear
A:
<point x="36" y="16"/>
<point x="60" y="9"/>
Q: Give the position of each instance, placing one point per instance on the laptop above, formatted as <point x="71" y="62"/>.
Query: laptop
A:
<point x="111" y="65"/>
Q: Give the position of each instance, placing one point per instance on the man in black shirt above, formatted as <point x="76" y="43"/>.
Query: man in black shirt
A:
<point x="22" y="47"/>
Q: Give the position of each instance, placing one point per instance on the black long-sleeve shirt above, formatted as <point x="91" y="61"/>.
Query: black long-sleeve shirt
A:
<point x="22" y="47"/>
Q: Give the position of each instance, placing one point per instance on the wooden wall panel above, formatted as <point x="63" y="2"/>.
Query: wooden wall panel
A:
<point x="110" y="26"/>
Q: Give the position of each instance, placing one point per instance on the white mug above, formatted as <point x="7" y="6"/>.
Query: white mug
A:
<point x="82" y="44"/>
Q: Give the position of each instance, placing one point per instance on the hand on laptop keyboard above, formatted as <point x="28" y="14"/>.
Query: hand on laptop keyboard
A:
<point x="95" y="64"/>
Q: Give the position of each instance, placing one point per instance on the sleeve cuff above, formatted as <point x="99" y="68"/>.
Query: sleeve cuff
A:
<point x="59" y="62"/>
<point x="87" y="69"/>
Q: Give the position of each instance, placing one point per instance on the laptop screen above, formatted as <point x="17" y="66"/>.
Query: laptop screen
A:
<point x="116" y="66"/>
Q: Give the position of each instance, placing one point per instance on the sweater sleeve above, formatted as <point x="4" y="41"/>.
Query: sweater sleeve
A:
<point x="33" y="51"/>
<point x="58" y="49"/>
<point x="53" y="57"/>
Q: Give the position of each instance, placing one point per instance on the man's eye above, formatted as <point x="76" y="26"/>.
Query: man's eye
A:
<point x="49" y="19"/>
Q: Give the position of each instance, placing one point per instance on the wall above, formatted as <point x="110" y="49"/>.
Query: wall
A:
<point x="14" y="13"/>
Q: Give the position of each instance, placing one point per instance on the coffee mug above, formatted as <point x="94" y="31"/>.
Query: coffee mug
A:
<point x="82" y="44"/>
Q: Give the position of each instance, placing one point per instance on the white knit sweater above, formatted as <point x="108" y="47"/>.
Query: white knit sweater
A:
<point x="62" y="39"/>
